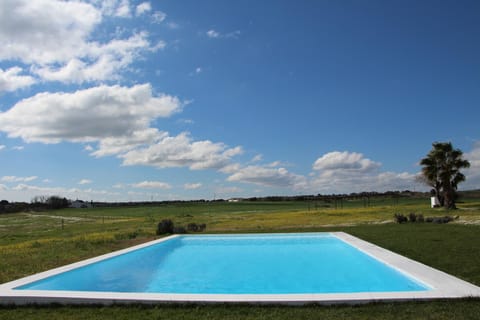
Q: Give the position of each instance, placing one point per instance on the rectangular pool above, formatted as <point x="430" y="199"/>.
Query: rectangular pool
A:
<point x="259" y="264"/>
<point x="318" y="267"/>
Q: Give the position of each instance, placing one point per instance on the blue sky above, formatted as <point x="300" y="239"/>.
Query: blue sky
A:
<point x="124" y="100"/>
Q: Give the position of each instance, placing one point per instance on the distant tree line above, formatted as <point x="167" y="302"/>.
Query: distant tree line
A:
<point x="38" y="203"/>
<point x="344" y="196"/>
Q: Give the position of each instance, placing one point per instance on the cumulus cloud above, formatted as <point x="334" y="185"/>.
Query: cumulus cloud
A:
<point x="105" y="61"/>
<point x="345" y="161"/>
<point x="152" y="185"/>
<point x="266" y="176"/>
<point x="2" y="146"/>
<point x="56" y="38"/>
<point x="119" y="120"/>
<point x="143" y="8"/>
<point x="85" y="181"/>
<point x="31" y="31"/>
<point x="472" y="174"/>
<point x="87" y="115"/>
<point x="121" y="144"/>
<point x="192" y="186"/>
<point x="11" y="79"/>
<point x="182" y="151"/>
<point x="338" y="172"/>
<point x="114" y="8"/>
<point x="17" y="179"/>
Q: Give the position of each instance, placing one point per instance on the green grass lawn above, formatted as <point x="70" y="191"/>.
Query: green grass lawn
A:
<point x="34" y="242"/>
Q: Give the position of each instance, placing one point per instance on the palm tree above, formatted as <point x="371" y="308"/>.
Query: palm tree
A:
<point x="441" y="170"/>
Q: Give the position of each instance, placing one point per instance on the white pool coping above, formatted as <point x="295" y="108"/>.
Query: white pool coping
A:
<point x="441" y="284"/>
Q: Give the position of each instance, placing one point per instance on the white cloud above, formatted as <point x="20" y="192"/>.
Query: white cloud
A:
<point x="17" y="179"/>
<point x="87" y="115"/>
<point x="18" y="148"/>
<point x="45" y="31"/>
<point x="118" y="145"/>
<point x="345" y="161"/>
<point x="339" y="172"/>
<point x="25" y="192"/>
<point x="88" y="148"/>
<point x="11" y="79"/>
<point x="257" y="158"/>
<point x="185" y="121"/>
<point x="143" y="8"/>
<point x="104" y="62"/>
<point x="56" y="38"/>
<point x="271" y="177"/>
<point x="213" y="34"/>
<point x="123" y="9"/>
<point x="234" y="34"/>
<point x="2" y="146"/>
<point x="182" y="151"/>
<point x="473" y="173"/>
<point x="192" y="186"/>
<point x="119" y="120"/>
<point x="152" y="185"/>
<point x="159" y="46"/>
<point x="85" y="181"/>
<point x="159" y="16"/>
<point x="197" y="71"/>
<point x="115" y="8"/>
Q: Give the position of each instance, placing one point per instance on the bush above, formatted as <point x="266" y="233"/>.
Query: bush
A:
<point x="400" y="218"/>
<point x="412" y="217"/>
<point x="420" y="218"/>
<point x="179" y="230"/>
<point x="192" y="227"/>
<point x="440" y="220"/>
<point x="165" y="226"/>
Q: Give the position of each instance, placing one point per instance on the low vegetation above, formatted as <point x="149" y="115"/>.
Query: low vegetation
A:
<point x="31" y="242"/>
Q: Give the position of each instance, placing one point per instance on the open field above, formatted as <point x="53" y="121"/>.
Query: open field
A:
<point x="34" y="242"/>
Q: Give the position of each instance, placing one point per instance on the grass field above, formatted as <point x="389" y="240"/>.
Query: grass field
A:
<point x="34" y="242"/>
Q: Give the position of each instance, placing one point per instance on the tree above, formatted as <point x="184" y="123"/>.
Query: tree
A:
<point x="441" y="170"/>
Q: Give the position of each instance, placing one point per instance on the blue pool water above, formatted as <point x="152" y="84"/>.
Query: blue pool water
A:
<point x="237" y="264"/>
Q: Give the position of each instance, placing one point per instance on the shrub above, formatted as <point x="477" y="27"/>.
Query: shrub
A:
<point x="440" y="220"/>
<point x="165" y="226"/>
<point x="400" y="218"/>
<point x="420" y="218"/>
<point x="412" y="217"/>
<point x="202" y="227"/>
<point x="192" y="227"/>
<point x="179" y="230"/>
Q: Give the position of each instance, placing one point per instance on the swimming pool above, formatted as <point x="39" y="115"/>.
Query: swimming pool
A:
<point x="318" y="267"/>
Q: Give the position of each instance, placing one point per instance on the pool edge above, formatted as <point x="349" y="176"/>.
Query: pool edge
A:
<point x="443" y="285"/>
